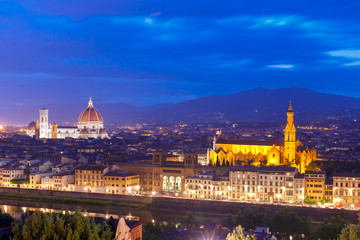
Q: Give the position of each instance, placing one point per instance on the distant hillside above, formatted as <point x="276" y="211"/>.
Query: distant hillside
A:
<point x="260" y="104"/>
<point x="257" y="105"/>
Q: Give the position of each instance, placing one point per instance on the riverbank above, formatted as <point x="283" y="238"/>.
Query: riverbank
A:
<point x="69" y="200"/>
<point x="166" y="204"/>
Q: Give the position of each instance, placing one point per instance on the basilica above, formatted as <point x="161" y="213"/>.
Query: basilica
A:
<point x="90" y="125"/>
<point x="237" y="152"/>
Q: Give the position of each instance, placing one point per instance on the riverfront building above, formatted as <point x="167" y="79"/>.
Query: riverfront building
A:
<point x="208" y="185"/>
<point x="90" y="178"/>
<point x="120" y="182"/>
<point x="314" y="185"/>
<point x="346" y="190"/>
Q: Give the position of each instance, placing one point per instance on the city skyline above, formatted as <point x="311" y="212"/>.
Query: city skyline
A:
<point x="145" y="53"/>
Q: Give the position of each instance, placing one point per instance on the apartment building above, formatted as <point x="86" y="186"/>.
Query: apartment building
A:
<point x="314" y="185"/>
<point x="346" y="189"/>
<point x="208" y="185"/>
<point x="299" y="188"/>
<point x="121" y="182"/>
<point x="244" y="183"/>
<point x="90" y="178"/>
<point x="328" y="188"/>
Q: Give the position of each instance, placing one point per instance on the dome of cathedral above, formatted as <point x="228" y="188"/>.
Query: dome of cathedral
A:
<point x="90" y="114"/>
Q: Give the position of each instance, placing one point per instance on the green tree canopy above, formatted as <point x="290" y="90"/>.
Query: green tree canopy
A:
<point x="239" y="235"/>
<point x="351" y="231"/>
<point x="48" y="226"/>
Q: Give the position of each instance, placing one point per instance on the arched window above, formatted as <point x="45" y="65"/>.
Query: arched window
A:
<point x="165" y="184"/>
<point x="178" y="184"/>
<point x="171" y="184"/>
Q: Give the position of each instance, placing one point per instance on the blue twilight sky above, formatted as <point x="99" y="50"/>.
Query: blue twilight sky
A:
<point x="150" y="52"/>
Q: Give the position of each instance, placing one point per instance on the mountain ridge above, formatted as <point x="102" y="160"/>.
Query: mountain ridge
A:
<point x="259" y="104"/>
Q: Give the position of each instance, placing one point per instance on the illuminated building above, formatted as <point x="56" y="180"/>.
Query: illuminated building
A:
<point x="162" y="175"/>
<point x="346" y="189"/>
<point x="90" y="178"/>
<point x="208" y="185"/>
<point x="299" y="188"/>
<point x="237" y="152"/>
<point x="120" y="182"/>
<point x="314" y="185"/>
<point x="90" y="125"/>
<point x="328" y="188"/>
<point x="265" y="183"/>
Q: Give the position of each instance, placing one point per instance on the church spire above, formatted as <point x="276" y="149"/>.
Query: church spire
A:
<point x="290" y="107"/>
<point x="90" y="103"/>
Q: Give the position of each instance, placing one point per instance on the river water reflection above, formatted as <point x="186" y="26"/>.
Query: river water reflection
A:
<point x="17" y="209"/>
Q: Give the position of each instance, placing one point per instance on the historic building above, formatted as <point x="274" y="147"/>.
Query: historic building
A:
<point x="314" y="185"/>
<point x="346" y="189"/>
<point x="164" y="175"/>
<point x="238" y="152"/>
<point x="208" y="185"/>
<point x="121" y="182"/>
<point x="90" y="125"/>
<point x="264" y="183"/>
<point x="90" y="178"/>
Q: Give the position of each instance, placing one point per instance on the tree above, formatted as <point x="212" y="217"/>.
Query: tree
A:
<point x="330" y="230"/>
<point x="151" y="230"/>
<point x="239" y="235"/>
<point x="190" y="220"/>
<point x="46" y="226"/>
<point x="112" y="226"/>
<point x="228" y="222"/>
<point x="351" y="231"/>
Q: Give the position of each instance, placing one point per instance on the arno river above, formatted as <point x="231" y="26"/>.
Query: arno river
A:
<point x="17" y="209"/>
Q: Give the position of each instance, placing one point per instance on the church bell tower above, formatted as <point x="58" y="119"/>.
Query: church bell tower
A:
<point x="290" y="137"/>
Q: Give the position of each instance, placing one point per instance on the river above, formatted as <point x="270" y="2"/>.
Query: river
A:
<point x="17" y="208"/>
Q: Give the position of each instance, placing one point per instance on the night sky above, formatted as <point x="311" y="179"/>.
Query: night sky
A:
<point x="151" y="52"/>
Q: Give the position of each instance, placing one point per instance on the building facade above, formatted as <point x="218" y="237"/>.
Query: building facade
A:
<point x="121" y="182"/>
<point x="346" y="189"/>
<point x="314" y="185"/>
<point x="208" y="185"/>
<point x="90" y="178"/>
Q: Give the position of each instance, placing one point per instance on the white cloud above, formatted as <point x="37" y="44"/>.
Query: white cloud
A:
<point x="284" y="66"/>
<point x="353" y="54"/>
<point x="347" y="53"/>
<point x="356" y="63"/>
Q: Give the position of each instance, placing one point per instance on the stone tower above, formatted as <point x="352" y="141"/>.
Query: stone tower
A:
<point x="44" y="123"/>
<point x="37" y="129"/>
<point x="290" y="137"/>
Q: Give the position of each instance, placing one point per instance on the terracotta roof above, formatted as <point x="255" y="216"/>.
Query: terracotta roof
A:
<point x="346" y="175"/>
<point x="248" y="142"/>
<point x="301" y="176"/>
<point x="120" y="174"/>
<point x="90" y="114"/>
<point x="84" y="131"/>
<point x="277" y="168"/>
<point x="92" y="167"/>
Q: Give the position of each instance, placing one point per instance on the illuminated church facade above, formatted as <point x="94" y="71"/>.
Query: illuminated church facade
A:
<point x="237" y="152"/>
<point x="90" y="125"/>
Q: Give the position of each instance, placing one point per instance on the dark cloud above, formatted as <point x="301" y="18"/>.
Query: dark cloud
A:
<point x="149" y="52"/>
